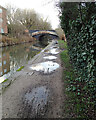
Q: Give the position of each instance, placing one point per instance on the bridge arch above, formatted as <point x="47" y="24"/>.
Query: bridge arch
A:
<point x="38" y="33"/>
<point x="43" y="36"/>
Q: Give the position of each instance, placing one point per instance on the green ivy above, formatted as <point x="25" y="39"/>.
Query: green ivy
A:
<point x="81" y="40"/>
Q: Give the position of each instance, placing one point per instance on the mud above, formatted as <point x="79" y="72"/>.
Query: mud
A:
<point x="35" y="102"/>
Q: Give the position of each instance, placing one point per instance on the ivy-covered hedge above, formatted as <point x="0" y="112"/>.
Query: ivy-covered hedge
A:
<point x="82" y="50"/>
<point x="81" y="38"/>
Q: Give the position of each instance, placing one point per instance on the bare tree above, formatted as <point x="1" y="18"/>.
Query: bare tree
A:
<point x="21" y="19"/>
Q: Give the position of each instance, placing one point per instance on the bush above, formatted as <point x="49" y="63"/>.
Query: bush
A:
<point x="81" y="40"/>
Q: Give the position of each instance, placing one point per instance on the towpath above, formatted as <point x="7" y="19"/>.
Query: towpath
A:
<point x="38" y="93"/>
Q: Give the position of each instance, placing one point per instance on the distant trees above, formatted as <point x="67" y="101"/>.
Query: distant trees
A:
<point x="21" y="19"/>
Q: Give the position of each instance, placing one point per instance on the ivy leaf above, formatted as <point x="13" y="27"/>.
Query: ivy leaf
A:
<point x="92" y="51"/>
<point x="78" y="93"/>
<point x="74" y="88"/>
<point x="83" y="53"/>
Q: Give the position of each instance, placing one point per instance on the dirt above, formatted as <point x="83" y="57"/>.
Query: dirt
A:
<point x="34" y="94"/>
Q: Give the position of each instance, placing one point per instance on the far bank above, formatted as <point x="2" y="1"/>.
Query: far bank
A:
<point x="6" y="40"/>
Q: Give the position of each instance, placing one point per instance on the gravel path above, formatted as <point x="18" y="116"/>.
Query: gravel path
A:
<point x="33" y="93"/>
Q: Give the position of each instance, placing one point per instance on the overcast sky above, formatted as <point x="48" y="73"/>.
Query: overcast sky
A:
<point x="45" y="8"/>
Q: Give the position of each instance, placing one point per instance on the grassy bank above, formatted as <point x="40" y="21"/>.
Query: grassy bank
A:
<point x="76" y="105"/>
<point x="67" y="77"/>
<point x="62" y="44"/>
<point x="20" y="68"/>
<point x="8" y="41"/>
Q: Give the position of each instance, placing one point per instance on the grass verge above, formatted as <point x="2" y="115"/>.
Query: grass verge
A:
<point x="4" y="80"/>
<point x="20" y="68"/>
<point x="62" y="44"/>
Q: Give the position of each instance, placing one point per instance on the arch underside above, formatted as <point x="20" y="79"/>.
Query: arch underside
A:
<point x="43" y="39"/>
<point x="38" y="36"/>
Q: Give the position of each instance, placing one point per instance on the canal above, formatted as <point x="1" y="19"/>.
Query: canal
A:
<point x="13" y="57"/>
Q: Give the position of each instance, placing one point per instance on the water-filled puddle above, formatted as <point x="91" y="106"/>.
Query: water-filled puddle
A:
<point x="50" y="57"/>
<point x="54" y="47"/>
<point x="37" y="98"/>
<point x="46" y="67"/>
<point x="53" y="51"/>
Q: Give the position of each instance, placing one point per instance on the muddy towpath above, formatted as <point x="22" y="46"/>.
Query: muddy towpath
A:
<point x="37" y="90"/>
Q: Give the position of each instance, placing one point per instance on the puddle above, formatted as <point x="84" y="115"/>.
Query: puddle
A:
<point x="53" y="51"/>
<point x="37" y="98"/>
<point x="54" y="47"/>
<point x="50" y="57"/>
<point x="46" y="67"/>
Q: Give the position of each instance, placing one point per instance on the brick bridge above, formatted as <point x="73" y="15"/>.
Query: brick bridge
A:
<point x="41" y="33"/>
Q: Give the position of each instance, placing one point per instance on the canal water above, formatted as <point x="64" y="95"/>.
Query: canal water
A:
<point x="13" y="57"/>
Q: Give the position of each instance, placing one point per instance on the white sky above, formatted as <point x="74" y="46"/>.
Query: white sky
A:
<point x="45" y="8"/>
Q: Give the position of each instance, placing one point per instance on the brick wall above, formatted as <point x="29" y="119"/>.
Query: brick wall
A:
<point x="3" y="20"/>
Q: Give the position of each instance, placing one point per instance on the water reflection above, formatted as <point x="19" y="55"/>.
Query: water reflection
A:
<point x="52" y="51"/>
<point x="13" y="57"/>
<point x="46" y="67"/>
<point x="4" y="64"/>
<point x="50" y="57"/>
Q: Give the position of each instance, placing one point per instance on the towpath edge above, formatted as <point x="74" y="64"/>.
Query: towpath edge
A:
<point x="14" y="101"/>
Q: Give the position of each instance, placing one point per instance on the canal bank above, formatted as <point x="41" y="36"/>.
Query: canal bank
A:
<point x="14" y="57"/>
<point x="10" y="41"/>
<point x="37" y="90"/>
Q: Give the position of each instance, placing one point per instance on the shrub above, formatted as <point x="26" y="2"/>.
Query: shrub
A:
<point x="81" y="39"/>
